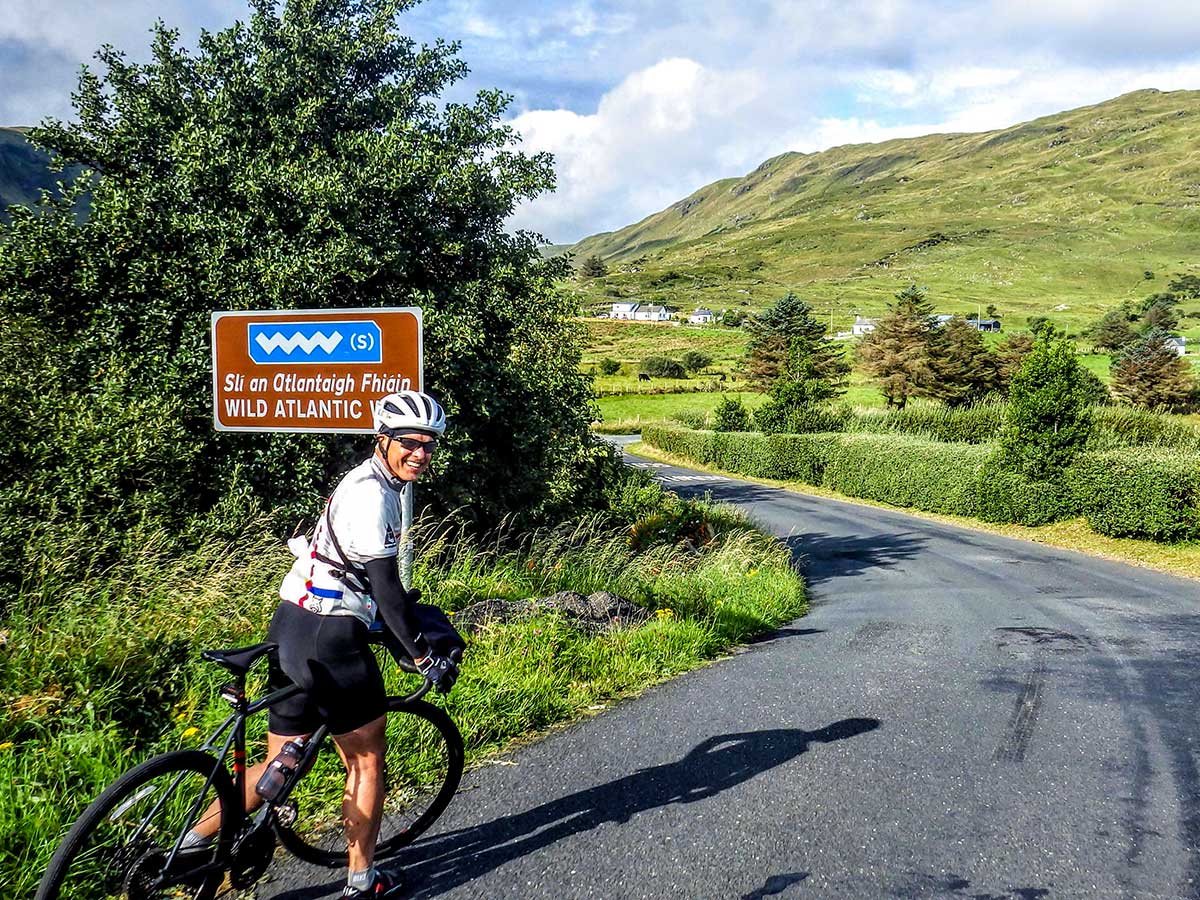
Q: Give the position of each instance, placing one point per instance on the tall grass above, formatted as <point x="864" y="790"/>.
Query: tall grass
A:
<point x="104" y="670"/>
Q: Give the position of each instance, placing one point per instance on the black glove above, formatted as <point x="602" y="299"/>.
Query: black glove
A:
<point x="439" y="670"/>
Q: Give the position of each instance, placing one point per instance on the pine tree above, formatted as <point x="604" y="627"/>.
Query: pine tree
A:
<point x="788" y="343"/>
<point x="1149" y="374"/>
<point x="897" y="352"/>
<point x="593" y="267"/>
<point x="1113" y="331"/>
<point x="964" y="370"/>
<point x="1009" y="354"/>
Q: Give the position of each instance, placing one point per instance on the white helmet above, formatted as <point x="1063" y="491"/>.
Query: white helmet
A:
<point x="409" y="411"/>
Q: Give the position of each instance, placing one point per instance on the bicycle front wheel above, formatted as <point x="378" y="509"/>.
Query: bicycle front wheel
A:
<point x="422" y="768"/>
<point x="119" y="846"/>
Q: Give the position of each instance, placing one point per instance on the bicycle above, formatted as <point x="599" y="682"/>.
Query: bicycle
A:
<point x="128" y="842"/>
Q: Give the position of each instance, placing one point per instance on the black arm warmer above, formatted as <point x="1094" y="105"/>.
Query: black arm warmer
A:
<point x="394" y="605"/>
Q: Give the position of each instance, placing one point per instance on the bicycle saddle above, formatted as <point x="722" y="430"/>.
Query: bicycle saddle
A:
<point x="239" y="659"/>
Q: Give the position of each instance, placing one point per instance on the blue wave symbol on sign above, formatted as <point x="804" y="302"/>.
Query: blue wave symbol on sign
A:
<point x="315" y="342"/>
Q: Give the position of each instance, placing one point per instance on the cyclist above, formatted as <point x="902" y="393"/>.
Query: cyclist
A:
<point x="332" y="595"/>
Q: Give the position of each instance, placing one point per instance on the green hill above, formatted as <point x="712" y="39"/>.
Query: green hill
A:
<point x="24" y="171"/>
<point x="1074" y="211"/>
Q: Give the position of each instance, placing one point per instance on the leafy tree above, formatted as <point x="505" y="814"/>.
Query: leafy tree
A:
<point x="990" y="312"/>
<point x="593" y="267"/>
<point x="734" y="318"/>
<point x="609" y="366"/>
<point x="1185" y="286"/>
<point x="897" y="353"/>
<point x="1113" y="331"/>
<point x="1049" y="414"/>
<point x="1039" y="324"/>
<point x="731" y="415"/>
<point x="302" y="159"/>
<point x="963" y="368"/>
<point x="1151" y="375"/>
<point x="695" y="360"/>
<point x="662" y="367"/>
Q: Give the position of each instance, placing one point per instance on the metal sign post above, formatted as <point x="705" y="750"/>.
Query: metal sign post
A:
<point x="316" y="370"/>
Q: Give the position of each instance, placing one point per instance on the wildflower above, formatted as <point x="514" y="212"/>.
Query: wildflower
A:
<point x="752" y="573"/>
<point x="665" y="613"/>
<point x="7" y="745"/>
<point x="191" y="732"/>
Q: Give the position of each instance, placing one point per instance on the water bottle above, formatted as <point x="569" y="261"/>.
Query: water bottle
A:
<point x="270" y="785"/>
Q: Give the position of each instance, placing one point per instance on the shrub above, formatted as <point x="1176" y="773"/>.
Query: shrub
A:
<point x="662" y="367"/>
<point x="1142" y="494"/>
<point x="1004" y="496"/>
<point x="731" y="415"/>
<point x="906" y="471"/>
<point x="777" y="418"/>
<point x="1049" y="410"/>
<point x="694" y="360"/>
<point x="609" y="366"/>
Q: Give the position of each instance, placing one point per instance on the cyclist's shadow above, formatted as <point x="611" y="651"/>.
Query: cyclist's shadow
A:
<point x="453" y="858"/>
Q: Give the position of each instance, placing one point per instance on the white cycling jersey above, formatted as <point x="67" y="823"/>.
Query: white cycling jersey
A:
<point x="364" y="513"/>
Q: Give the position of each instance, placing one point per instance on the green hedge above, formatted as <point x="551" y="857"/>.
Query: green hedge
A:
<point x="1123" y="493"/>
<point x="1147" y="494"/>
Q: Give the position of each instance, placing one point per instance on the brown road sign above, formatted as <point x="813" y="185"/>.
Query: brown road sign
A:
<point x="311" y="369"/>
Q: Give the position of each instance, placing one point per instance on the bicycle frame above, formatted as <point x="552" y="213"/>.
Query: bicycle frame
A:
<point x="234" y="693"/>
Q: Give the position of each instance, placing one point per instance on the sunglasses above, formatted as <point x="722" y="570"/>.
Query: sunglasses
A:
<point x="417" y="444"/>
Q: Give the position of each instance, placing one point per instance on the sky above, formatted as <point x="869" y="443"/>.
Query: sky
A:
<point x="643" y="102"/>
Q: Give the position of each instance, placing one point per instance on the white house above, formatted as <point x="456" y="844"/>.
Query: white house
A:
<point x="638" y="313"/>
<point x="652" y="313"/>
<point x="702" y="317"/>
<point x="862" y="326"/>
<point x="1178" y="344"/>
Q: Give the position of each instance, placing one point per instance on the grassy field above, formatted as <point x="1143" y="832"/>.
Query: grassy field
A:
<point x="1065" y="217"/>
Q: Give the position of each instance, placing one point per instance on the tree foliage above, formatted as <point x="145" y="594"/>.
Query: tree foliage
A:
<point x="1149" y="374"/>
<point x="662" y="367"/>
<point x="787" y="343"/>
<point x="1113" y="331"/>
<point x="299" y="160"/>
<point x="964" y="370"/>
<point x="731" y="415"/>
<point x="593" y="267"/>
<point x="1049" y="412"/>
<point x="898" y="352"/>
<point x="696" y="360"/>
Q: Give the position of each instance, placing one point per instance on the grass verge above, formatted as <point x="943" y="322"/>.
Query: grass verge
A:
<point x="1177" y="559"/>
<point x="109" y="673"/>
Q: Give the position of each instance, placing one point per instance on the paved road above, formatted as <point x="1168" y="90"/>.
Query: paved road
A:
<point x="960" y="715"/>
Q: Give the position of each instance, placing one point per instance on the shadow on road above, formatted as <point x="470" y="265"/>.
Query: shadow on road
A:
<point x="824" y="556"/>
<point x="719" y="763"/>
<point x="448" y="860"/>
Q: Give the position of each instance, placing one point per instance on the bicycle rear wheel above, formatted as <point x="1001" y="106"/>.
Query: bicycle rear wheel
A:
<point x="118" y="847"/>
<point x="423" y="766"/>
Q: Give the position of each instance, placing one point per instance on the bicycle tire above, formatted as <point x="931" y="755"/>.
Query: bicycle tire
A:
<point x="85" y="866"/>
<point x="424" y="765"/>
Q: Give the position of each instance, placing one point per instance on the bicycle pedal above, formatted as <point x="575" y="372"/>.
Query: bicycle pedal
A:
<point x="286" y="814"/>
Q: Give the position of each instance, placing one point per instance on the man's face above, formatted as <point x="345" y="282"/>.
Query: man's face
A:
<point x="408" y="454"/>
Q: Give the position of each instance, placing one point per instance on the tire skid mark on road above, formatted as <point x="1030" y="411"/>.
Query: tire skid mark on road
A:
<point x="1028" y="707"/>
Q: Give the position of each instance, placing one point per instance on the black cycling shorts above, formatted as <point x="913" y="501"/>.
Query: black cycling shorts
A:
<point x="329" y="657"/>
